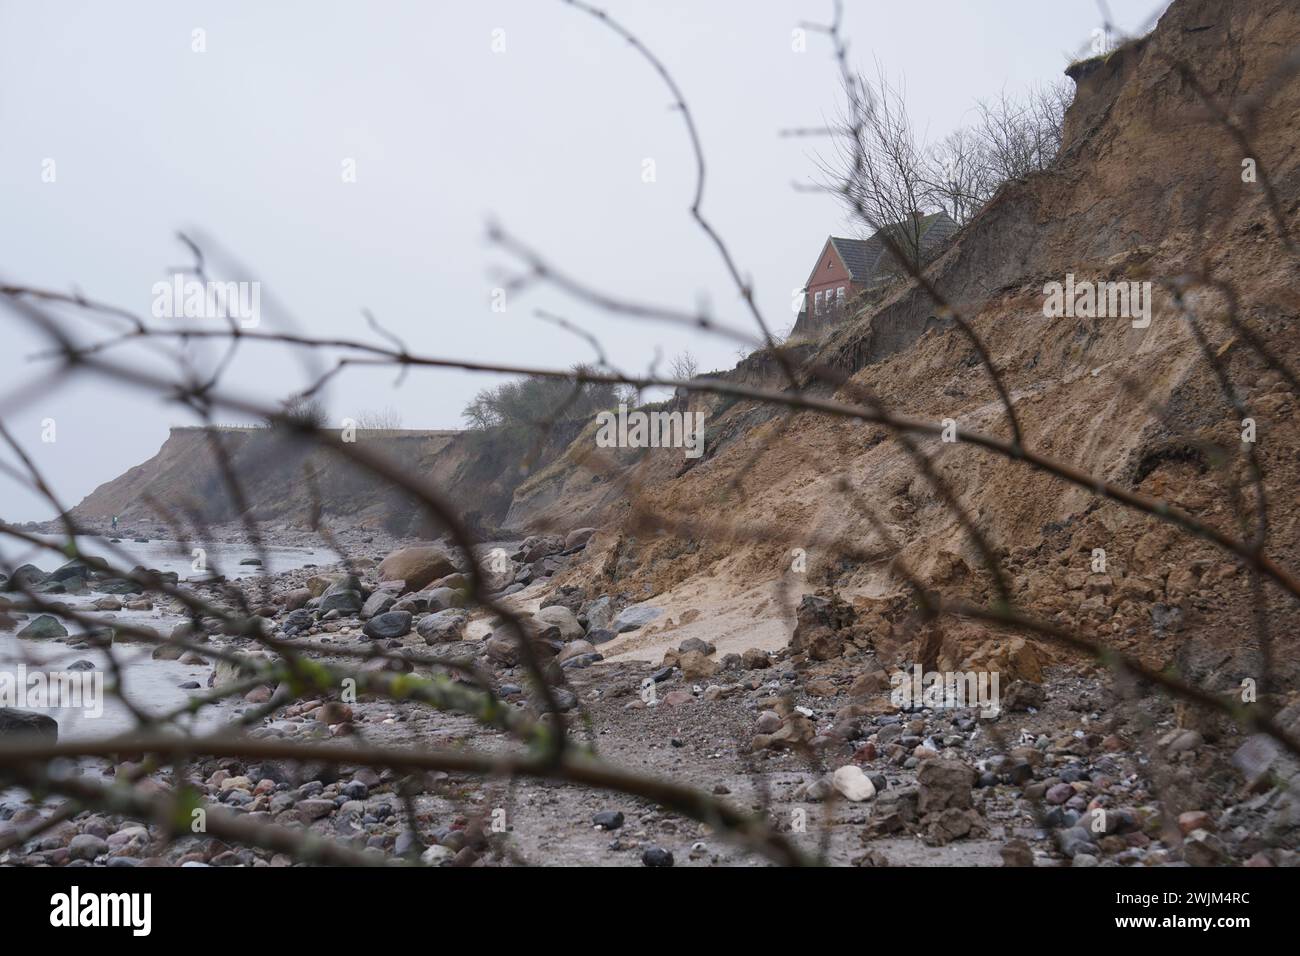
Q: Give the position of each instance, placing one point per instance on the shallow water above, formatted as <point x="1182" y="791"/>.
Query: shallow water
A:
<point x="163" y="555"/>
<point x="152" y="686"/>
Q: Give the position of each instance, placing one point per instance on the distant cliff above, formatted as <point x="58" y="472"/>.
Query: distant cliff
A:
<point x="477" y="471"/>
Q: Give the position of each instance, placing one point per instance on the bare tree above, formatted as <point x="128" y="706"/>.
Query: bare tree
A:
<point x="684" y="367"/>
<point x="1021" y="137"/>
<point x="887" y="185"/>
<point x="959" y="175"/>
<point x="885" y="174"/>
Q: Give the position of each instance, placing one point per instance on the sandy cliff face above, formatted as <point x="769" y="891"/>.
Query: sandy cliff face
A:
<point x="1147" y="188"/>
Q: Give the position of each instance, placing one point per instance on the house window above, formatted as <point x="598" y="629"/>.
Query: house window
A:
<point x="818" y="300"/>
<point x="839" y="297"/>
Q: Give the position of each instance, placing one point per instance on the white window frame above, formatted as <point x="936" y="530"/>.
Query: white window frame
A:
<point x="818" y="301"/>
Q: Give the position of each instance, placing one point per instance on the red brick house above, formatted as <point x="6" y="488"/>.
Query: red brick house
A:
<point x="847" y="268"/>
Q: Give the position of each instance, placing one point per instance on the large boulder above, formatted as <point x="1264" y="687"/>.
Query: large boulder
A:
<point x="546" y="566"/>
<point x="540" y="546"/>
<point x="73" y="569"/>
<point x="563" y="618"/>
<point x="378" y="603"/>
<point x="576" y="649"/>
<point x="944" y="784"/>
<point x="227" y="672"/>
<point x="383" y="627"/>
<point x="297" y="598"/>
<point x="696" y="666"/>
<point x="26" y="577"/>
<point x="443" y="627"/>
<point x="822" y="627"/>
<point x="416" y="567"/>
<point x="578" y="538"/>
<point x="496" y="570"/>
<point x="15" y="723"/>
<point x="440" y="599"/>
<point x="346" y="582"/>
<point x="345" y="602"/>
<point x="632" y="618"/>
<point x="137" y="634"/>
<point x="599" y="613"/>
<point x="503" y="645"/>
<point x="44" y="627"/>
<point x="458" y="581"/>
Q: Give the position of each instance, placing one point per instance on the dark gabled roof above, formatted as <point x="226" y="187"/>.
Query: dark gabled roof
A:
<point x="858" y="255"/>
<point x="862" y="257"/>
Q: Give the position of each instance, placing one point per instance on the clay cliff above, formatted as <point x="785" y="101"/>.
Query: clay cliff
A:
<point x="1147" y="188"/>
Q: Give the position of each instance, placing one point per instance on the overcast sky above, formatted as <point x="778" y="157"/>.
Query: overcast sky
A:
<point x="246" y="141"/>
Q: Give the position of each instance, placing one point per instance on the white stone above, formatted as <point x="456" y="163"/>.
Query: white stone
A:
<point x="853" y="783"/>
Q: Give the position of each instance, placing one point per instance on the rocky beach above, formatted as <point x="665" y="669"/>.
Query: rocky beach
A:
<point x="807" y="735"/>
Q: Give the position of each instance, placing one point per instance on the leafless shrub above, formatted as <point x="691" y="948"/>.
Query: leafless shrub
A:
<point x="381" y="421"/>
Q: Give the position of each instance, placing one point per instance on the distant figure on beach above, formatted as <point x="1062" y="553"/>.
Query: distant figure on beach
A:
<point x="114" y="522"/>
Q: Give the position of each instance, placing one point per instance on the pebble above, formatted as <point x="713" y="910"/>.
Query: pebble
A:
<point x="86" y="846"/>
<point x="608" y="819"/>
<point x="657" y="856"/>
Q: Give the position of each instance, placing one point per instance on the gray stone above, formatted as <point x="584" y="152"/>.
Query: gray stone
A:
<point x="44" y="627"/>
<point x="657" y="856"/>
<point x="24" y="723"/>
<point x="540" y="546"/>
<point x="561" y="617"/>
<point x="574" y="649"/>
<point x="85" y="846"/>
<point x="599" y="613"/>
<point x="443" y="627"/>
<point x="378" y="603"/>
<point x="437" y="856"/>
<point x="345" y="601"/>
<point x="28" y="575"/>
<point x="299" y="620"/>
<point x="632" y="618"/>
<point x="695" y="644"/>
<point x="388" y="626"/>
<point x="578" y="538"/>
<point x="440" y="599"/>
